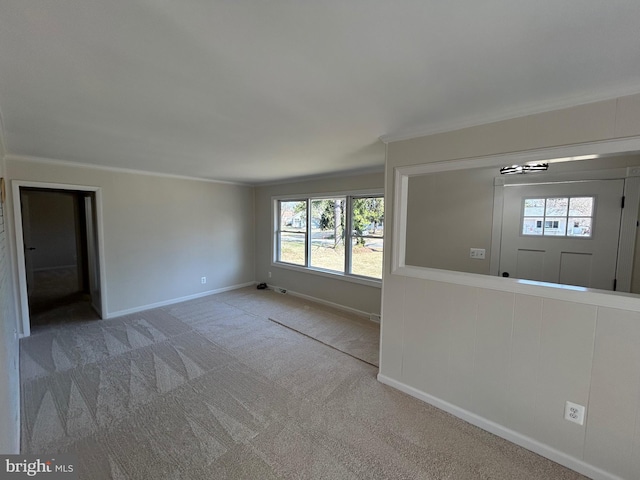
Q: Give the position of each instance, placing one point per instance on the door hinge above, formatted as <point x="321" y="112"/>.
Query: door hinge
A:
<point x="622" y="203"/>
<point x="615" y="284"/>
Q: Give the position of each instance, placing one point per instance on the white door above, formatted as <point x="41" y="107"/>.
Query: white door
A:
<point x="92" y="254"/>
<point x="562" y="232"/>
<point x="26" y="236"/>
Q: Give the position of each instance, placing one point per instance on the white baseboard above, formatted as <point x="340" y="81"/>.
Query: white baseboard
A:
<point x="504" y="432"/>
<point x="142" y="308"/>
<point x="337" y="306"/>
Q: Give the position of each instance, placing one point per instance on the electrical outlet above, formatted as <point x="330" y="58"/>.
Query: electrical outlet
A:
<point x="203" y="280"/>
<point x="269" y="274"/>
<point x="574" y="413"/>
<point x="477" y="253"/>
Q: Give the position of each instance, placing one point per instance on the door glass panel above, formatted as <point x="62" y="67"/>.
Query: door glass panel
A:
<point x="558" y="216"/>
<point x="532" y="226"/>
<point x="579" y="227"/>
<point x="581" y="207"/>
<point x="556" y="207"/>
<point x="555" y="227"/>
<point x="534" y="207"/>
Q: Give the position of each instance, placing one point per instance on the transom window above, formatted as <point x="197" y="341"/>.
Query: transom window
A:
<point x="558" y="216"/>
<point x="312" y="233"/>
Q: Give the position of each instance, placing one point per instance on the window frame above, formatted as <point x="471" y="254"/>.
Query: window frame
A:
<point x="348" y="221"/>
<point x="552" y="218"/>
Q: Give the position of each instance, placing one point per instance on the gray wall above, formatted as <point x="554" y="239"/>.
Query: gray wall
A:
<point x="53" y="229"/>
<point x="450" y="212"/>
<point x="514" y="359"/>
<point x="9" y="380"/>
<point x="161" y="234"/>
<point x="359" y="297"/>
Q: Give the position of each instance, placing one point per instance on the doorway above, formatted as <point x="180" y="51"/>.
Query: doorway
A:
<point x="59" y="252"/>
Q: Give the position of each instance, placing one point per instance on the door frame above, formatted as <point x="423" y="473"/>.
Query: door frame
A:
<point x="627" y="237"/>
<point x="23" y="299"/>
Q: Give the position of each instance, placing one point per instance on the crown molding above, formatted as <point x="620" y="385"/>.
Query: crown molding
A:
<point x="68" y="163"/>
<point x="509" y="114"/>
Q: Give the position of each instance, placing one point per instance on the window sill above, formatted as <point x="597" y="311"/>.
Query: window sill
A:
<point x="370" y="282"/>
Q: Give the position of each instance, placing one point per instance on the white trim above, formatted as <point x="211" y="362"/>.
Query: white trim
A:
<point x="496" y="225"/>
<point x="69" y="163"/>
<point x="508" y="114"/>
<point x="504" y="432"/>
<point x="164" y="303"/>
<point x="337" y="306"/>
<point x="562" y="292"/>
<point x="19" y="241"/>
<point x="628" y="231"/>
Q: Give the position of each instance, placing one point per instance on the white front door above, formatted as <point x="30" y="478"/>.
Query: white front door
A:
<point x="562" y="232"/>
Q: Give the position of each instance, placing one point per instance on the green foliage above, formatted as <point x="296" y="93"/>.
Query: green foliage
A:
<point x="329" y="215"/>
<point x="368" y="215"/>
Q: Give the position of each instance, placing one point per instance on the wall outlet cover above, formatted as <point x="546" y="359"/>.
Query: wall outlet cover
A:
<point x="574" y="413"/>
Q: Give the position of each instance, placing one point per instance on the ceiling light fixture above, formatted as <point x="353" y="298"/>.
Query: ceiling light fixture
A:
<point x="513" y="169"/>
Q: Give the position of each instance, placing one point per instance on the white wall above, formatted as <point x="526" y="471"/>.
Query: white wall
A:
<point x="9" y="378"/>
<point x="363" y="298"/>
<point x="509" y="361"/>
<point x="161" y="234"/>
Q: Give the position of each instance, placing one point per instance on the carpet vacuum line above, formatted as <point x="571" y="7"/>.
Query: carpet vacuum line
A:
<point x="320" y="341"/>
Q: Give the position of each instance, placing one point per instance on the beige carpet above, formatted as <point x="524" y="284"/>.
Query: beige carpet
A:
<point x="212" y="389"/>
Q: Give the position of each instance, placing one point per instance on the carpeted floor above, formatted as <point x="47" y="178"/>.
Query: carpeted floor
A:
<point x="213" y="389"/>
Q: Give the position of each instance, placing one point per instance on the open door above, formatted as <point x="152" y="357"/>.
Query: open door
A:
<point x="38" y="244"/>
<point x="93" y="262"/>
<point x="28" y="247"/>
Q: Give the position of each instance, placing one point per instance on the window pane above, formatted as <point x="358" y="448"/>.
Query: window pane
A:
<point x="554" y="227"/>
<point x="368" y="217"/>
<point x="579" y="227"/>
<point x="293" y="216"/>
<point x="327" y="233"/>
<point x="367" y="221"/>
<point x="581" y="207"/>
<point x="533" y="207"/>
<point x="532" y="226"/>
<point x="556" y="207"/>
<point x="292" y="248"/>
<point x="366" y="258"/>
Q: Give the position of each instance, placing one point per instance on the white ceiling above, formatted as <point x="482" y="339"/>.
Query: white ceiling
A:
<point x="258" y="91"/>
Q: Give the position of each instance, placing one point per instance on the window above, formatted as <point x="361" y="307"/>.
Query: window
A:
<point x="311" y="233"/>
<point x="293" y="232"/>
<point x="367" y="242"/>
<point x="558" y="216"/>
